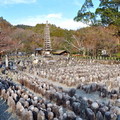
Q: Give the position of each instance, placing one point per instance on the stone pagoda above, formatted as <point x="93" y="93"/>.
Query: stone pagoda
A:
<point x="47" y="41"/>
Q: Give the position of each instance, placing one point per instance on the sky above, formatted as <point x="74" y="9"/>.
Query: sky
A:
<point x="32" y="12"/>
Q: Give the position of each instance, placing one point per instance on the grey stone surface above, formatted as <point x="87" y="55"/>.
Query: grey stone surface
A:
<point x="4" y="114"/>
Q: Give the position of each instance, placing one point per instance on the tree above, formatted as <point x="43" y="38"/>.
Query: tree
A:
<point x="109" y="12"/>
<point x="24" y="40"/>
<point x="5" y="40"/>
<point x="106" y="14"/>
<point x="92" y="40"/>
<point x="78" y="44"/>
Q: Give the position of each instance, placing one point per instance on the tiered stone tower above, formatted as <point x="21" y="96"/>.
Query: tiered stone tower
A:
<point x="47" y="41"/>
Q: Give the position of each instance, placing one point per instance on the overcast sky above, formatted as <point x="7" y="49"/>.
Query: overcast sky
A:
<point x="32" y="12"/>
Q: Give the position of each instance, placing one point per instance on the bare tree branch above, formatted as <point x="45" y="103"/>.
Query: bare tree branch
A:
<point x="67" y="49"/>
<point x="72" y="44"/>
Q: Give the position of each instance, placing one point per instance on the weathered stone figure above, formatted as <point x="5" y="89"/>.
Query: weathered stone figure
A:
<point x="6" y="61"/>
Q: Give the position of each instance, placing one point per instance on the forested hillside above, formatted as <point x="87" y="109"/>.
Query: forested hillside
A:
<point x="88" y="41"/>
<point x="107" y="15"/>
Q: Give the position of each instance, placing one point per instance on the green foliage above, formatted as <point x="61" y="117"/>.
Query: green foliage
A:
<point x="108" y="11"/>
<point x="56" y="31"/>
<point x="39" y="28"/>
<point x="106" y="14"/>
<point x="23" y="26"/>
<point x="85" y="15"/>
<point x="117" y="54"/>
